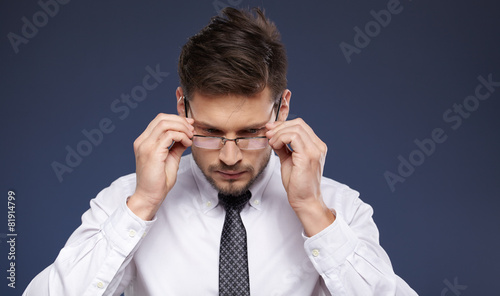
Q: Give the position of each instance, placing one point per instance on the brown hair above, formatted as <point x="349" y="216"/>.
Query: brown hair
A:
<point x="239" y="52"/>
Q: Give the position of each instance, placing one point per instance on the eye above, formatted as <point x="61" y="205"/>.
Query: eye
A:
<point x="251" y="132"/>
<point x="212" y="131"/>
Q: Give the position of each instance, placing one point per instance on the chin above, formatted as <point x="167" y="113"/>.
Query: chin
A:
<point x="231" y="187"/>
<point x="236" y="186"/>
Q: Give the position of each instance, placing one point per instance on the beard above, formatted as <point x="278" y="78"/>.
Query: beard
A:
<point x="231" y="187"/>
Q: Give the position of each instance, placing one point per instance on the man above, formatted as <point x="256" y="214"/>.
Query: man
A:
<point x="231" y="218"/>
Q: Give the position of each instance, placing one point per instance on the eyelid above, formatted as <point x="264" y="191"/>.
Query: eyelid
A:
<point x="256" y="128"/>
<point x="212" y="131"/>
<point x="253" y="131"/>
<point x="216" y="131"/>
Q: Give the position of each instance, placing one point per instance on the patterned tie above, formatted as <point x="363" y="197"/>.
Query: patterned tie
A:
<point x="233" y="257"/>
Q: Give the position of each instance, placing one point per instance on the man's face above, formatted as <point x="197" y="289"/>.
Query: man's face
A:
<point x="231" y="170"/>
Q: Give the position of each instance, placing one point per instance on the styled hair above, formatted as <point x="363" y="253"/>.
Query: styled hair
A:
<point x="239" y="52"/>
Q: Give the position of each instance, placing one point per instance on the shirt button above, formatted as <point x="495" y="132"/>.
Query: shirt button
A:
<point x="315" y="252"/>
<point x="256" y="202"/>
<point x="100" y="285"/>
<point x="209" y="203"/>
<point x="131" y="233"/>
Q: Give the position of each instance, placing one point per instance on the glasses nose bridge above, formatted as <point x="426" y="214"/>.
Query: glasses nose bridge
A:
<point x="224" y="140"/>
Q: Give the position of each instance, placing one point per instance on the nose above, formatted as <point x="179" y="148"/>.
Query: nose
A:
<point x="230" y="154"/>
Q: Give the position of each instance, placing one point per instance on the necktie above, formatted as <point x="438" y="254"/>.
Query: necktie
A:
<point x="233" y="257"/>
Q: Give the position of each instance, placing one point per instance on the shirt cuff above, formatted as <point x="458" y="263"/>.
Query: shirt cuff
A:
<point x="124" y="229"/>
<point x="331" y="247"/>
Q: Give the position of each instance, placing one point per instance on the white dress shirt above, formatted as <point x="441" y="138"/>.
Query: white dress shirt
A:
<point x="114" y="251"/>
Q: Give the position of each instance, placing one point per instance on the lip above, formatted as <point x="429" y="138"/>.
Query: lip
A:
<point x="230" y="175"/>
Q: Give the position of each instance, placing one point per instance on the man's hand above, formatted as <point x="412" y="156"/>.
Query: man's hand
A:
<point x="301" y="171"/>
<point x="156" y="164"/>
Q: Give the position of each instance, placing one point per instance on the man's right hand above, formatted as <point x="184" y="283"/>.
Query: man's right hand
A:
<point x="156" y="165"/>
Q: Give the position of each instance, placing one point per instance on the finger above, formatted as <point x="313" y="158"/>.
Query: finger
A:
<point x="293" y="136"/>
<point x="166" y="126"/>
<point x="158" y="151"/>
<point x="180" y="143"/>
<point x="276" y="127"/>
<point x="172" y="140"/>
<point x="158" y="147"/>
<point x="299" y="139"/>
<point x="164" y="117"/>
<point x="283" y="152"/>
<point x="161" y="128"/>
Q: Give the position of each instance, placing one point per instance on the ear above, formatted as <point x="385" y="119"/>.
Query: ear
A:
<point x="285" y="105"/>
<point x="181" y="108"/>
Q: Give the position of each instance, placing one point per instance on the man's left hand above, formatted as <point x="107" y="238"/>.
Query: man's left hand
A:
<point x="301" y="171"/>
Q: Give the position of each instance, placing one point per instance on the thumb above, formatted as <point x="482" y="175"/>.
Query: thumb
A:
<point x="283" y="152"/>
<point x="177" y="149"/>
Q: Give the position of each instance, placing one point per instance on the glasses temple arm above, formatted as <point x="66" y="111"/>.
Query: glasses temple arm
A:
<point x="279" y="107"/>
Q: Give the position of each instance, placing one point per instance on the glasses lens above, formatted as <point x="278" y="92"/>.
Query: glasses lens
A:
<point x="207" y="142"/>
<point x="252" y="143"/>
<point x="217" y="143"/>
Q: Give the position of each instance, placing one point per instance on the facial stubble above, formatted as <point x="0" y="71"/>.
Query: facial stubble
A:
<point x="230" y="189"/>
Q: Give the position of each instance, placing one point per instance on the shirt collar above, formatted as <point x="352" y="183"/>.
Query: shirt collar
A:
<point x="208" y="197"/>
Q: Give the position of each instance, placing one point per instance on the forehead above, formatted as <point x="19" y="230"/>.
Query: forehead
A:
<point x="232" y="112"/>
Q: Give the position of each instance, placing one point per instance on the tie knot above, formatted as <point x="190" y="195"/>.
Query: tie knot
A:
<point x="234" y="202"/>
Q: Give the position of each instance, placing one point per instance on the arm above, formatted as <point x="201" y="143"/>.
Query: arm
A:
<point x="344" y="250"/>
<point x="96" y="259"/>
<point x="347" y="254"/>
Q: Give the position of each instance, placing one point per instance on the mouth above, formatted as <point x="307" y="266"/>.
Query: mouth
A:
<point x="230" y="175"/>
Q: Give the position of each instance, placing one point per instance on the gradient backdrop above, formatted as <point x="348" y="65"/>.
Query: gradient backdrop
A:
<point x="405" y="93"/>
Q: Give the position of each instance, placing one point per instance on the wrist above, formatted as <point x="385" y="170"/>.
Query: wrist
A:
<point x="140" y="208"/>
<point x="315" y="217"/>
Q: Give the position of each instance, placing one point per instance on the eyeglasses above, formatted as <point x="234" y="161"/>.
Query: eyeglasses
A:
<point x="216" y="143"/>
<point x="244" y="143"/>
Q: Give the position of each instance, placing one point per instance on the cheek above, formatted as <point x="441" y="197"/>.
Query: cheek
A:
<point x="257" y="158"/>
<point x="204" y="157"/>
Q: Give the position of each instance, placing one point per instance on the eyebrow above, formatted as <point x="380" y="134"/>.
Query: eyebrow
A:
<point x="258" y="126"/>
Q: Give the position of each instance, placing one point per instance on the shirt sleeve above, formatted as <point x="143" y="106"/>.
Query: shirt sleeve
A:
<point x="349" y="258"/>
<point x="97" y="258"/>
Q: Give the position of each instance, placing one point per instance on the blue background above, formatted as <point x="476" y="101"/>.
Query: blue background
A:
<point x="440" y="224"/>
